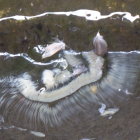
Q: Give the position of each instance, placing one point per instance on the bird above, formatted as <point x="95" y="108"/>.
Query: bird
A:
<point x="100" y="45"/>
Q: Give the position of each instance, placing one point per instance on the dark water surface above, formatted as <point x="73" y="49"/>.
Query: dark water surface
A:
<point x="19" y="37"/>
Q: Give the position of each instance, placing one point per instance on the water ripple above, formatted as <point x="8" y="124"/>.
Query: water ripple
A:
<point x="55" y="61"/>
<point x="26" y="57"/>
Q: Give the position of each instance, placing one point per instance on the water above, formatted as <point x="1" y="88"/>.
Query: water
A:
<point x="25" y="25"/>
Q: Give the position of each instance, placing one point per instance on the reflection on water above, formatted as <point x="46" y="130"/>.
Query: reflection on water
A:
<point x="112" y="114"/>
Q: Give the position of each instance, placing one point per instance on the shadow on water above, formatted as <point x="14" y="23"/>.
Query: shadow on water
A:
<point x="18" y="38"/>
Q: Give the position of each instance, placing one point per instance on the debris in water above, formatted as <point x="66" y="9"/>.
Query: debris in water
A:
<point x="88" y="139"/>
<point x="38" y="134"/>
<point x="107" y="112"/>
<point x="53" y="48"/>
<point x="39" y="49"/>
<point x="128" y="92"/>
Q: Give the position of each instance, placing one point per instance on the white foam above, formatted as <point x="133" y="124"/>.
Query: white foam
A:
<point x="87" y="14"/>
<point x="48" y="78"/>
<point x="26" y="86"/>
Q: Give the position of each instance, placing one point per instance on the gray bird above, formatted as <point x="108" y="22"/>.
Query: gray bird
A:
<point x="100" y="45"/>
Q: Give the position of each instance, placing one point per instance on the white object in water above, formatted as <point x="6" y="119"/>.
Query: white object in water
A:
<point x="48" y="78"/>
<point x="107" y="112"/>
<point x="62" y="77"/>
<point x="88" y="139"/>
<point x="53" y="48"/>
<point x="38" y="134"/>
